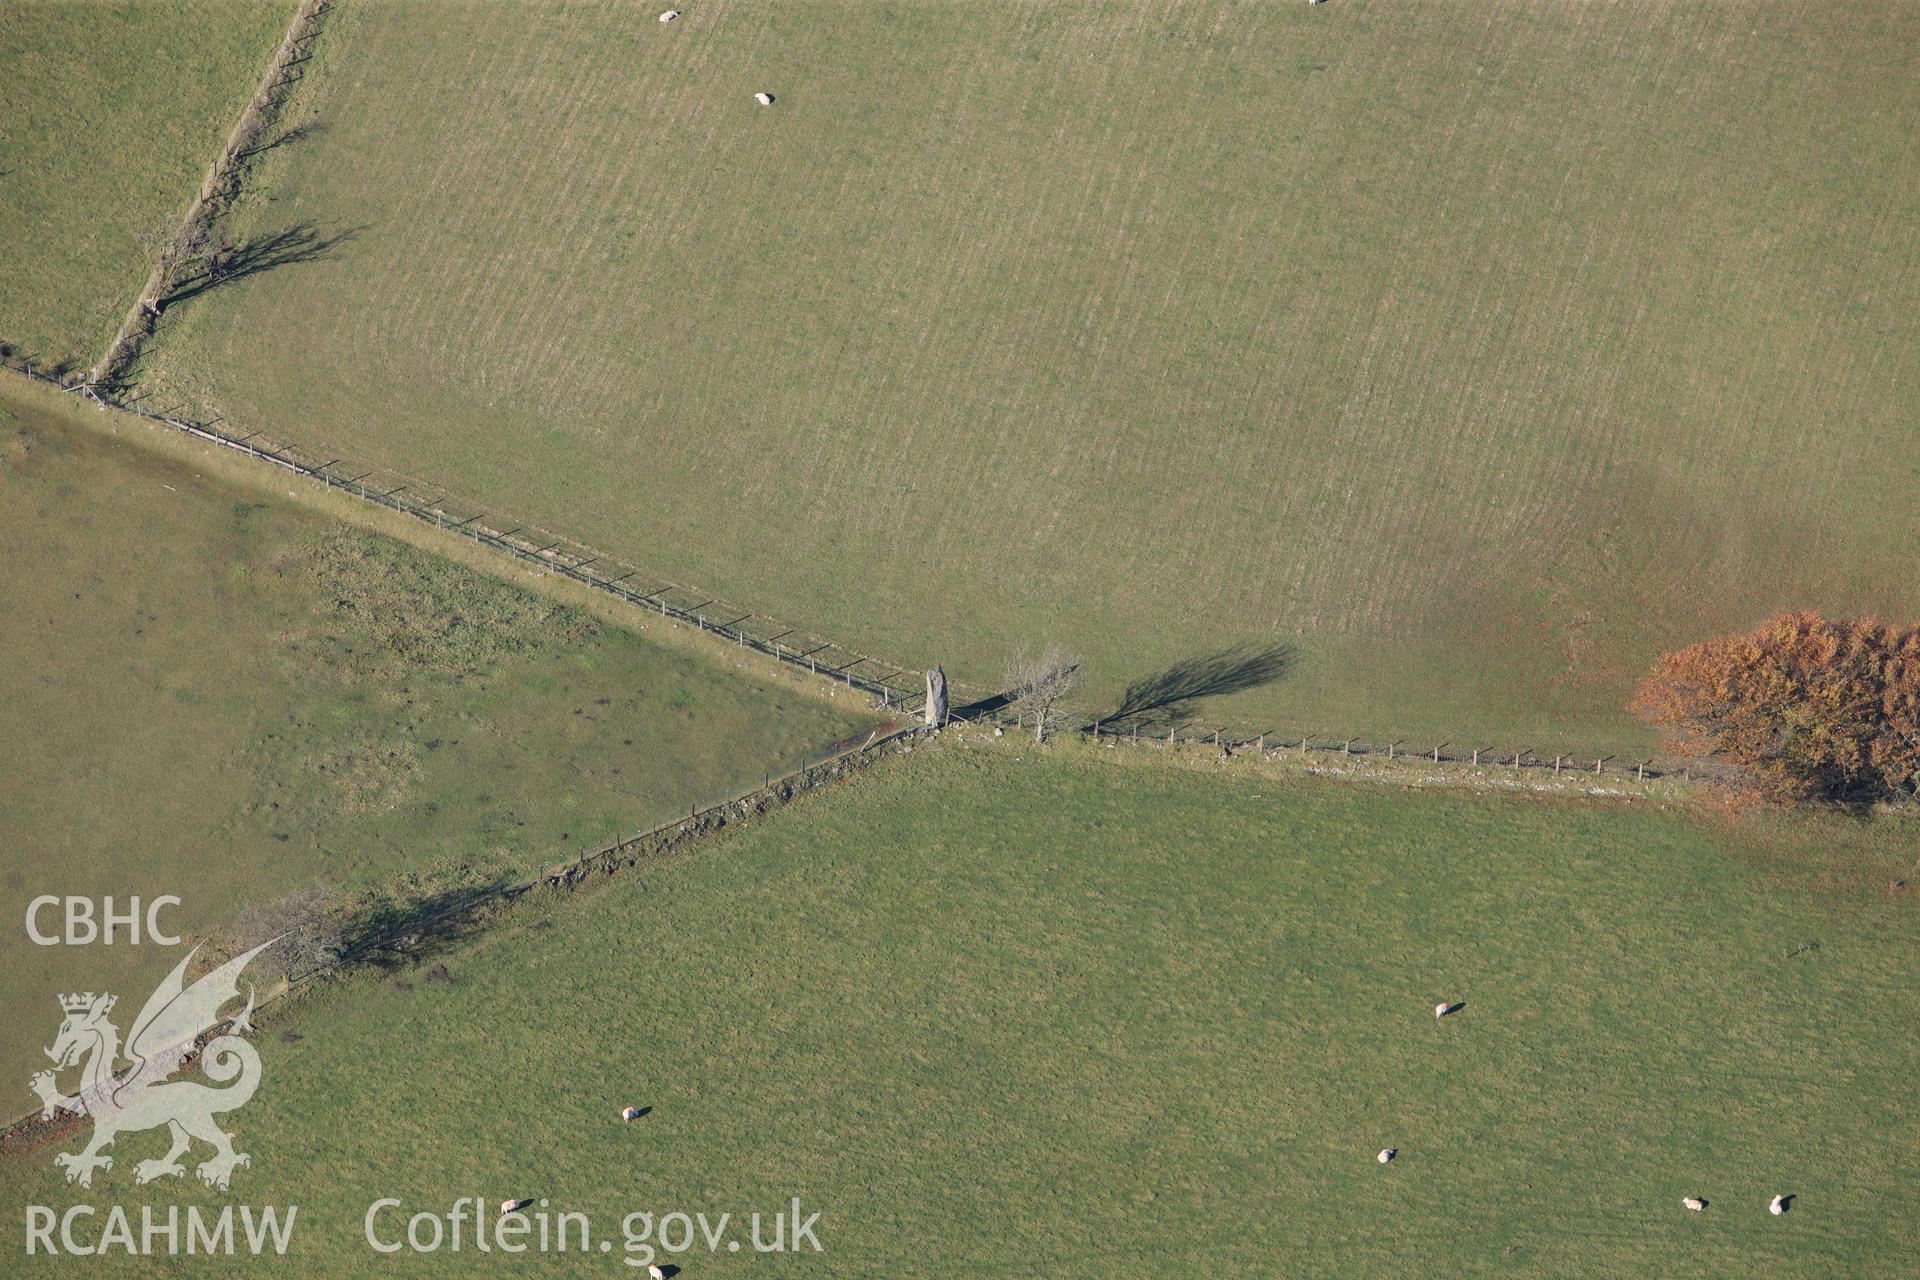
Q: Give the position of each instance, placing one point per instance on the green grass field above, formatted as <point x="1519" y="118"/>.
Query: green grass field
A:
<point x="1078" y="1017"/>
<point x="110" y="113"/>
<point x="1482" y="351"/>
<point x="212" y="692"/>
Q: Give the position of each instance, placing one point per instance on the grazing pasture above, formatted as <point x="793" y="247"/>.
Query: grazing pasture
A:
<point x="1068" y="1016"/>
<point x="212" y="692"/>
<point x="110" y="114"/>
<point x="1482" y="351"/>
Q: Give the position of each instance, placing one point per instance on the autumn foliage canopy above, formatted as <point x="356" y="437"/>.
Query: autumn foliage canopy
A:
<point x="1812" y="709"/>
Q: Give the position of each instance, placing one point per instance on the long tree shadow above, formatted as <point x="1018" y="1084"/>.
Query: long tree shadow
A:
<point x="286" y="137"/>
<point x="1161" y="700"/>
<point x="390" y="933"/>
<point x="303" y="242"/>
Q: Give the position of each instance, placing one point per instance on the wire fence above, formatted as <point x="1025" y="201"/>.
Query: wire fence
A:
<point x="412" y="931"/>
<point x="838" y="762"/>
<point x="410" y="928"/>
<point x="896" y="688"/>
<point x="1273" y="744"/>
<point x="1145" y="730"/>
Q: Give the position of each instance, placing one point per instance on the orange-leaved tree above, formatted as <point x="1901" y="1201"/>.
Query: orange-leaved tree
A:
<point x="1813" y="709"/>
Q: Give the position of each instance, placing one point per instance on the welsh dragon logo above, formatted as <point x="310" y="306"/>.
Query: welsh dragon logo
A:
<point x="141" y="1097"/>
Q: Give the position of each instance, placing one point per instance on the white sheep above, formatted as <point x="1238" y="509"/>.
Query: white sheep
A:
<point x="1446" y="1007"/>
<point x="511" y="1206"/>
<point x="654" y="1271"/>
<point x="1387" y="1154"/>
<point x="630" y="1113"/>
<point x="764" y="98"/>
<point x="1779" y="1205"/>
<point x="669" y="15"/>
<point x="1694" y="1203"/>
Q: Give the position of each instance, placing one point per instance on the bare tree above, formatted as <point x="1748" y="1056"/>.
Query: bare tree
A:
<point x="1037" y="684"/>
<point x="306" y="925"/>
<point x="170" y="252"/>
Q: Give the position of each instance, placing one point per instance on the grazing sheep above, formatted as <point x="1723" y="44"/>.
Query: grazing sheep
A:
<point x="511" y="1206"/>
<point x="1387" y="1154"/>
<point x="1694" y="1203"/>
<point x="654" y="1271"/>
<point x="630" y="1113"/>
<point x="1779" y="1205"/>
<point x="669" y="15"/>
<point x="1446" y="1007"/>
<point x="764" y="98"/>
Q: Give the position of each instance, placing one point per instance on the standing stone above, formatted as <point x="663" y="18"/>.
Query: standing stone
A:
<point x="936" y="697"/>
